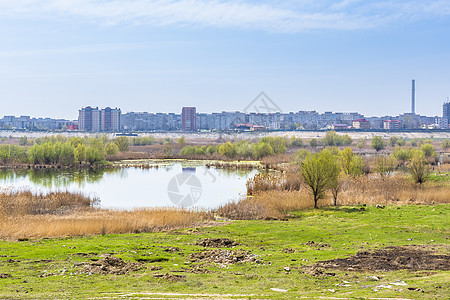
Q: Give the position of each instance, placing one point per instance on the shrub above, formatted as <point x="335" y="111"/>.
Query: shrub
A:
<point x="262" y="149"/>
<point x="295" y="142"/>
<point x="418" y="168"/>
<point x="313" y="143"/>
<point x="23" y="141"/>
<point x="351" y="164"/>
<point x="228" y="150"/>
<point x="122" y="143"/>
<point x="384" y="165"/>
<point x="377" y="143"/>
<point x="111" y="148"/>
<point x="402" y="154"/>
<point x="445" y="144"/>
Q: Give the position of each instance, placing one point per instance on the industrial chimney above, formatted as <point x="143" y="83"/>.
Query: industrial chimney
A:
<point x="413" y="99"/>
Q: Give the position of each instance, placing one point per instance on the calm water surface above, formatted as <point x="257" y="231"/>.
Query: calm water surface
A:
<point x="176" y="184"/>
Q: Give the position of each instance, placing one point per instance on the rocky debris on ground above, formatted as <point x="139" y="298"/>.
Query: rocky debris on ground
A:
<point x="416" y="289"/>
<point x="111" y="265"/>
<point x="171" y="249"/>
<point x="3" y="275"/>
<point x="154" y="268"/>
<point x="412" y="257"/>
<point x="316" y="245"/>
<point x="217" y="243"/>
<point x="84" y="254"/>
<point x="288" y="250"/>
<point x="171" y="277"/>
<point x="225" y="257"/>
<point x="317" y="272"/>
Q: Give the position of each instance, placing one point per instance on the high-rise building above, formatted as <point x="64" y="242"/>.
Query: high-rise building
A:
<point x="93" y="119"/>
<point x="188" y="119"/>
<point x="89" y="119"/>
<point x="446" y="112"/>
<point x="110" y="119"/>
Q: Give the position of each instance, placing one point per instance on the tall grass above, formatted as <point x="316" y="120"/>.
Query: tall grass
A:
<point x="18" y="203"/>
<point x="266" y="202"/>
<point x="26" y="215"/>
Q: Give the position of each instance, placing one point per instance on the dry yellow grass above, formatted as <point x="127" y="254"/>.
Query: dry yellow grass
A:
<point x="27" y="215"/>
<point x="369" y="190"/>
<point x="98" y="222"/>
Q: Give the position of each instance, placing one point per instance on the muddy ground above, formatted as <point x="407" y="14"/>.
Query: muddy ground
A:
<point x="414" y="258"/>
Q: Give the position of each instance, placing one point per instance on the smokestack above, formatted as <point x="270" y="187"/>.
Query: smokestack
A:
<point x="413" y="100"/>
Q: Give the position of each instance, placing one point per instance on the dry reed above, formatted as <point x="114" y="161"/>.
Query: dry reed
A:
<point x="25" y="215"/>
<point x="269" y="200"/>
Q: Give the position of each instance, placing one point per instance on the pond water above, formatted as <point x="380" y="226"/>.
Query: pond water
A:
<point x="172" y="184"/>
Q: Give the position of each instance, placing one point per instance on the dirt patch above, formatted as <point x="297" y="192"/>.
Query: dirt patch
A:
<point x="313" y="244"/>
<point x="415" y="258"/>
<point x="317" y="272"/>
<point x="3" y="276"/>
<point x="111" y="265"/>
<point x="171" y="277"/>
<point x="225" y="257"/>
<point x="217" y="243"/>
<point x="171" y="249"/>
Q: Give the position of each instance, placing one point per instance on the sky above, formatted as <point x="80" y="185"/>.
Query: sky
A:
<point x="57" y="56"/>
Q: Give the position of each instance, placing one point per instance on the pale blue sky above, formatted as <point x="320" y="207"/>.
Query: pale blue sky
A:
<point x="156" y="56"/>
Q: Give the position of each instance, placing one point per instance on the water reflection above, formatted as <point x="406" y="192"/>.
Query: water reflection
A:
<point x="131" y="187"/>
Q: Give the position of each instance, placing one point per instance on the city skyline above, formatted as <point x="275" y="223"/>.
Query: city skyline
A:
<point x="161" y="55"/>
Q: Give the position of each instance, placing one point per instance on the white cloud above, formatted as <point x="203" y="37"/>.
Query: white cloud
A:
<point x="278" y="16"/>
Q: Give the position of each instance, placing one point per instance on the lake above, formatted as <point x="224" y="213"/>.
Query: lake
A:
<point x="188" y="184"/>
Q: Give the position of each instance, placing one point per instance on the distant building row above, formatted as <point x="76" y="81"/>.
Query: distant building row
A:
<point x="93" y="119"/>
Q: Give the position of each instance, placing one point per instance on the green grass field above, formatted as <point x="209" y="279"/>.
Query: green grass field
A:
<point x="284" y="254"/>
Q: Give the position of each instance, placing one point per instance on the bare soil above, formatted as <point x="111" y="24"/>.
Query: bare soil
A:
<point x="217" y="243"/>
<point x="415" y="258"/>
<point x="225" y="257"/>
<point x="111" y="265"/>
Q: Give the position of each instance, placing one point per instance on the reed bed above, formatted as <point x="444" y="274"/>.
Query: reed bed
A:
<point x="23" y="202"/>
<point x="99" y="222"/>
<point x="24" y="215"/>
<point x="269" y="200"/>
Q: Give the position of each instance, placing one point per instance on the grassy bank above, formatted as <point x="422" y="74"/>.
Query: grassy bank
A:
<point x="268" y="254"/>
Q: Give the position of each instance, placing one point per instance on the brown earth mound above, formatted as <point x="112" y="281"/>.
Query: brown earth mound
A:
<point x="217" y="243"/>
<point x="111" y="265"/>
<point x="414" y="258"/>
<point x="225" y="257"/>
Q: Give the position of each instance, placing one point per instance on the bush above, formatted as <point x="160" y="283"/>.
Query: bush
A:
<point x="23" y="141"/>
<point x="295" y="142"/>
<point x="111" y="148"/>
<point x="384" y="165"/>
<point x="228" y="150"/>
<point x="402" y="154"/>
<point x="122" y="143"/>
<point x="351" y="164"/>
<point x="418" y="168"/>
<point x="263" y="149"/>
<point x="313" y="143"/>
<point x="333" y="139"/>
<point x="377" y="143"/>
<point x="445" y="144"/>
<point x="278" y="144"/>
